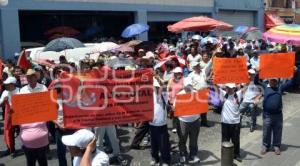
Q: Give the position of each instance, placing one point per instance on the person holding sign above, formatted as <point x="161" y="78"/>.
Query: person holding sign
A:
<point x="188" y="127"/>
<point x="198" y="78"/>
<point x="9" y="130"/>
<point x="34" y="136"/>
<point x="231" y="117"/>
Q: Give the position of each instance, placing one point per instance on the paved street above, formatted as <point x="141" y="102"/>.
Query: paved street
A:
<point x="210" y="142"/>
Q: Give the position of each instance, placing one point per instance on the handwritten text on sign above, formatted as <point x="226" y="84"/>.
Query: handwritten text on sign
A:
<point x="122" y="97"/>
<point x="34" y="107"/>
<point x="230" y="70"/>
<point x="277" y="65"/>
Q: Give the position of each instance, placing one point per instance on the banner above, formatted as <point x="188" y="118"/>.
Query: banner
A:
<point x="34" y="107"/>
<point x="277" y="65"/>
<point x="192" y="103"/>
<point x="230" y="70"/>
<point x="100" y="98"/>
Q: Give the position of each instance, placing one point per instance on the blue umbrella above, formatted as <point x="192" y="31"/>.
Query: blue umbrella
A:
<point x="241" y="29"/>
<point x="212" y="40"/>
<point x="63" y="43"/>
<point x="134" y="29"/>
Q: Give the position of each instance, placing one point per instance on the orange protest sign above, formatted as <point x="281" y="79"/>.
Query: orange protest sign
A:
<point x="230" y="70"/>
<point x="277" y="65"/>
<point x="34" y="107"/>
<point x="192" y="103"/>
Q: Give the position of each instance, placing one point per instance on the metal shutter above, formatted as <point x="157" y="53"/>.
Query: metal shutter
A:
<point x="237" y="18"/>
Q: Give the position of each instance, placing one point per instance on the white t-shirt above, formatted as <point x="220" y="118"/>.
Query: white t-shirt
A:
<point x="230" y="110"/>
<point x="191" y="58"/>
<point x="254" y="62"/>
<point x="251" y="93"/>
<point x="198" y="80"/>
<point x="189" y="118"/>
<point x="8" y="94"/>
<point x="160" y="114"/>
<point x="99" y="158"/>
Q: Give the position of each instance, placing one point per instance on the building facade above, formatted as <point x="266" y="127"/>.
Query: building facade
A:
<point x="26" y="20"/>
<point x="286" y="9"/>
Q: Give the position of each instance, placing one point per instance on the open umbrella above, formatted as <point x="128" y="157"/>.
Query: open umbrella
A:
<point x="120" y="62"/>
<point x="134" y="29"/>
<point x="133" y="43"/>
<point x="212" y="40"/>
<point x="63" y="43"/>
<point x="200" y="23"/>
<point x="254" y="34"/>
<point x="125" y="48"/>
<point x="62" y="31"/>
<point x="105" y="46"/>
<point x="288" y="33"/>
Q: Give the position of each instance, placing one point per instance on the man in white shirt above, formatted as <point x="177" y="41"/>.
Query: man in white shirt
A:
<point x="199" y="81"/>
<point x="82" y="146"/>
<point x="251" y="98"/>
<point x="158" y="128"/>
<point x="231" y="117"/>
<point x="254" y="61"/>
<point x="188" y="127"/>
<point x="10" y="90"/>
<point x="194" y="56"/>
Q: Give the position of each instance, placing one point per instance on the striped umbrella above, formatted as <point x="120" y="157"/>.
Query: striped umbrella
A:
<point x="284" y="34"/>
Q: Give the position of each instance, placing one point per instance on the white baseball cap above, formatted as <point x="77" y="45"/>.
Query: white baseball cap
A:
<point x="10" y="80"/>
<point x="177" y="70"/>
<point x="80" y="138"/>
<point x="251" y="71"/>
<point x="194" y="64"/>
<point x="230" y="85"/>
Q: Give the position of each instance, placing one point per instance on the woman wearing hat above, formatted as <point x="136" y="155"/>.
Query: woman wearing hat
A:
<point x="9" y="130"/>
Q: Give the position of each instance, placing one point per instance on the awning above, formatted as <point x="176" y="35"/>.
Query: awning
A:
<point x="272" y="20"/>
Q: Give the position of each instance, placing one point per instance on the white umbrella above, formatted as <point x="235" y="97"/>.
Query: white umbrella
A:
<point x="104" y="47"/>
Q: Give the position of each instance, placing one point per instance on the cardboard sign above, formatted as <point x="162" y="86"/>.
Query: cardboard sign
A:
<point x="34" y="107"/>
<point x="192" y="103"/>
<point x="230" y="70"/>
<point x="277" y="65"/>
<point x="114" y="97"/>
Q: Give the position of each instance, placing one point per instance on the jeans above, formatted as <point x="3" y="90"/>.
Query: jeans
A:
<point x="36" y="154"/>
<point x="231" y="132"/>
<point x="189" y="130"/>
<point x="160" y="143"/>
<point x="61" y="148"/>
<point x="112" y="136"/>
<point x="251" y="107"/>
<point x="272" y="125"/>
<point x="141" y="132"/>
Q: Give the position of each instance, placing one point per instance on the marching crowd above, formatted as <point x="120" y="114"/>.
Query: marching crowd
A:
<point x="180" y="67"/>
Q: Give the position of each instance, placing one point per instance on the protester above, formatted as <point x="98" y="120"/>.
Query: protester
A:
<point x="34" y="136"/>
<point x="82" y="146"/>
<point x="174" y="86"/>
<point x="272" y="113"/>
<point x="231" y="117"/>
<point x="193" y="57"/>
<point x="251" y="98"/>
<point x="158" y="128"/>
<point x="188" y="128"/>
<point x="9" y="68"/>
<point x="9" y="130"/>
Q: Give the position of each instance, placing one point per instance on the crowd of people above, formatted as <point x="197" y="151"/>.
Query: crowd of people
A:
<point x="181" y="67"/>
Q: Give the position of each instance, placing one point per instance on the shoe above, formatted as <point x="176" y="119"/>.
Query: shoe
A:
<point x="263" y="151"/>
<point x="174" y="130"/>
<point x="13" y="155"/>
<point x="238" y="158"/>
<point x="182" y="159"/>
<point x="118" y="159"/>
<point x="165" y="164"/>
<point x="194" y="159"/>
<point x="277" y="151"/>
<point x="5" y="153"/>
<point x="153" y="162"/>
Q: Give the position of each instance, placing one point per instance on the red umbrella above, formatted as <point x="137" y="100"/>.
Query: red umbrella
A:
<point x="63" y="31"/>
<point x="23" y="62"/>
<point x="200" y="23"/>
